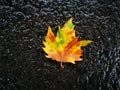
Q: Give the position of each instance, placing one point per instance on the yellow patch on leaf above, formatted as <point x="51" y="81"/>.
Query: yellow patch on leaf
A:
<point x="64" y="47"/>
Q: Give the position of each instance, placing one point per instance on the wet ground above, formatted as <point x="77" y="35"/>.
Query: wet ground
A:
<point x="23" y="24"/>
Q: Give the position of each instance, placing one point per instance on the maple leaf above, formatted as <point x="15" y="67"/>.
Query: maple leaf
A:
<point x="64" y="47"/>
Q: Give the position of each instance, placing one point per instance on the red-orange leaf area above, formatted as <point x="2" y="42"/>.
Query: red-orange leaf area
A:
<point x="64" y="47"/>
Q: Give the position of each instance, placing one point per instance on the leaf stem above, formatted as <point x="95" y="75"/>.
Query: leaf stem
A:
<point x="61" y="65"/>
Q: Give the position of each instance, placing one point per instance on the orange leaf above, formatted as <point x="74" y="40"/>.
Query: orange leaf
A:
<point x="65" y="47"/>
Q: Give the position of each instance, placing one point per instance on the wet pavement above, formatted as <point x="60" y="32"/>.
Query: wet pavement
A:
<point x="23" y="25"/>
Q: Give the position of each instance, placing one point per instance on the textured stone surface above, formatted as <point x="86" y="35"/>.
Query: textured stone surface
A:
<point x="23" y="25"/>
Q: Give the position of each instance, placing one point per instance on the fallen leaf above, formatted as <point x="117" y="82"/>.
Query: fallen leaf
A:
<point x="64" y="47"/>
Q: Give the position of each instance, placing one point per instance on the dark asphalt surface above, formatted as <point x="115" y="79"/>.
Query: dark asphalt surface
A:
<point x="23" y="25"/>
